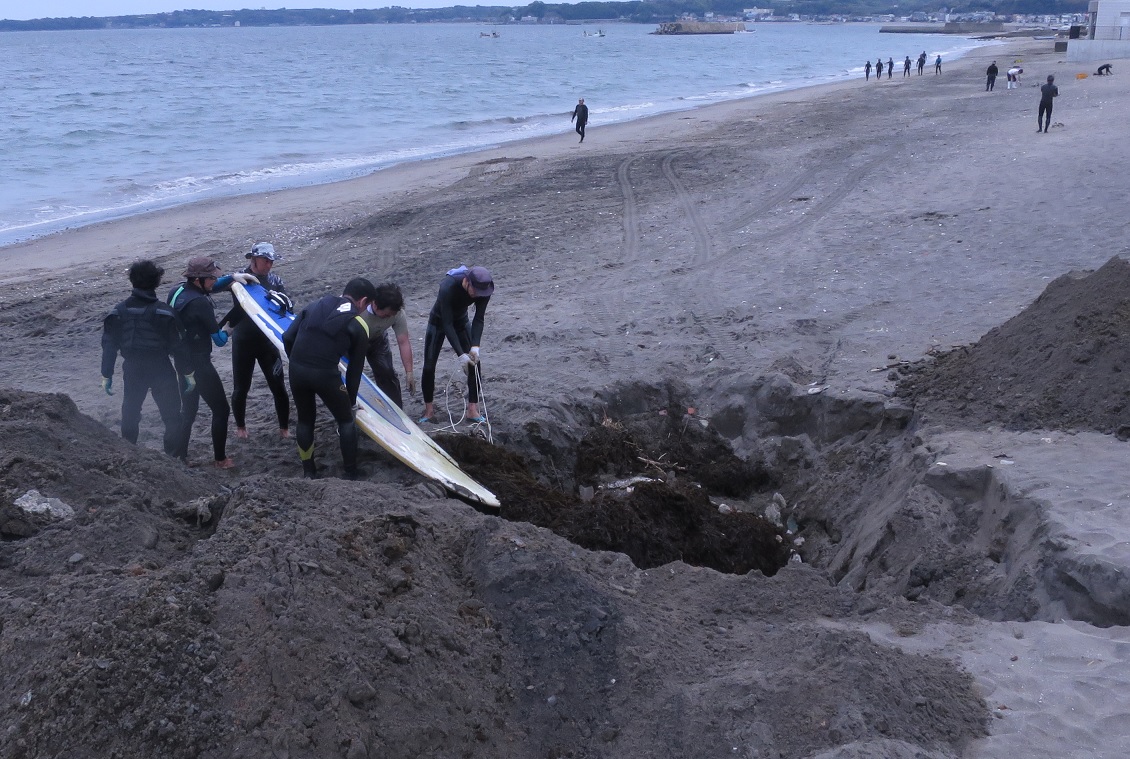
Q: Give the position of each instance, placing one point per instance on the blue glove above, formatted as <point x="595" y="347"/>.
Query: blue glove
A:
<point x="190" y="382"/>
<point x="108" y="385"/>
<point x="220" y="338"/>
<point x="222" y="283"/>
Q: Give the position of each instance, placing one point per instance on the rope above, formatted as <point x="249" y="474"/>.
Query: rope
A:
<point x="454" y="387"/>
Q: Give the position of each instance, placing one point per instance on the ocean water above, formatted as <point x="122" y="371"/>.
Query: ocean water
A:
<point x="102" y="124"/>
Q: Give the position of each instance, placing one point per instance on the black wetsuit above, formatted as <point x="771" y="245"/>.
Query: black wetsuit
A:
<point x="448" y="319"/>
<point x="198" y="316"/>
<point x="322" y="333"/>
<point x="581" y="114"/>
<point x="1047" y="92"/>
<point x="867" y="71"/>
<point x="906" y="66"/>
<point x="890" y="67"/>
<point x="249" y="346"/>
<point x="146" y="332"/>
<point x="991" y="77"/>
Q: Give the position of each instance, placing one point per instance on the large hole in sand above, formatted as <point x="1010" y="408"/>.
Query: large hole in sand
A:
<point x="843" y="483"/>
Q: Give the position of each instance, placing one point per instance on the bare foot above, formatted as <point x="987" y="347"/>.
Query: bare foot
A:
<point x="225" y="464"/>
<point x="241" y="433"/>
<point x="284" y="433"/>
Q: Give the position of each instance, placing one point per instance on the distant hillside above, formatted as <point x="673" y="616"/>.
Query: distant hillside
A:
<point x="639" y="11"/>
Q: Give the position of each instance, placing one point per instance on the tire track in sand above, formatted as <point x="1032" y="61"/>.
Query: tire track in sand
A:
<point x="703" y="242"/>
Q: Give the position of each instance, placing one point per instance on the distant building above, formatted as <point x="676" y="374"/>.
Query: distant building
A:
<point x="1105" y="35"/>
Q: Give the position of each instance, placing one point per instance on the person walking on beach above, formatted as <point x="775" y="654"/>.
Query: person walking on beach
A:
<point x="387" y="310"/>
<point x="906" y="67"/>
<point x="581" y="115"/>
<point x="193" y="304"/>
<point x="878" y="69"/>
<point x="146" y="332"/>
<point x="461" y="288"/>
<point x="890" y="67"/>
<point x="938" y="65"/>
<point x="249" y="346"/>
<point x="991" y="76"/>
<point x="1013" y="75"/>
<point x="921" y="62"/>
<point x="315" y="342"/>
<point x="1047" y="93"/>
<point x="867" y="71"/>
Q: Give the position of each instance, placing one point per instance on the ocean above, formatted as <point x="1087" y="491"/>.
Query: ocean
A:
<point x="96" y="125"/>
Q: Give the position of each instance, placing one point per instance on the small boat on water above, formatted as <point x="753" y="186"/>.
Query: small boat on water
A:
<point x="494" y="35"/>
<point x="597" y="33"/>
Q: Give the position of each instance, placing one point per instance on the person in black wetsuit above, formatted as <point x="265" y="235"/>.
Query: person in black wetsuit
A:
<point x="906" y="67"/>
<point x="581" y="114"/>
<point x="319" y="337"/>
<point x="459" y="290"/>
<point x="146" y="332"/>
<point x="890" y="67"/>
<point x="1047" y="92"/>
<point x="249" y="346"/>
<point x="867" y="71"/>
<point x="991" y="76"/>
<point x="1104" y="70"/>
<point x="192" y="303"/>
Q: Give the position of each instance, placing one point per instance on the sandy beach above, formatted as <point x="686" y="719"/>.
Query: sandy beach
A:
<point x="789" y="274"/>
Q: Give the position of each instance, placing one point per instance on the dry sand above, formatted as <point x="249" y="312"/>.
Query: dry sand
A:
<point x="779" y="265"/>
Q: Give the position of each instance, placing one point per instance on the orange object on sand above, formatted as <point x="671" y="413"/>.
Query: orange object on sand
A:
<point x="1080" y="76"/>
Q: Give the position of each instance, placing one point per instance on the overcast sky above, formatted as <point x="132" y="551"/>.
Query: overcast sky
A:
<point x="25" y="9"/>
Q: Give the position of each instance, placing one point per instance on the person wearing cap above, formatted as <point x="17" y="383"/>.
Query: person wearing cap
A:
<point x="249" y="346"/>
<point x="146" y="332"/>
<point x="387" y="310"/>
<point x="461" y="288"/>
<point x="192" y="302"/>
<point x="315" y="342"/>
<point x="1047" y="92"/>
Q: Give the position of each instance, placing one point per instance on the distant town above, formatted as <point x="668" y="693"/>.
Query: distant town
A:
<point x="1044" y="14"/>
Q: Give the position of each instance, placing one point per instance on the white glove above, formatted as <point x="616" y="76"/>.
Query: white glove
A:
<point x="244" y="278"/>
<point x="465" y="362"/>
<point x="475" y="354"/>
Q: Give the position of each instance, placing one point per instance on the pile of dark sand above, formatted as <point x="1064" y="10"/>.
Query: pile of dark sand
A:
<point x="332" y="618"/>
<point x="1061" y="363"/>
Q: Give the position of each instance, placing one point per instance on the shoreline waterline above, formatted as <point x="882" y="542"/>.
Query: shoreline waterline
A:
<point x="313" y="170"/>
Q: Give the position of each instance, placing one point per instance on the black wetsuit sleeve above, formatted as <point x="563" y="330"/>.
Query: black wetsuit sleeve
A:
<point x="358" y="347"/>
<point x="110" y="343"/>
<point x="447" y="309"/>
<point x="178" y="344"/>
<point x="479" y="321"/>
<point x="291" y="333"/>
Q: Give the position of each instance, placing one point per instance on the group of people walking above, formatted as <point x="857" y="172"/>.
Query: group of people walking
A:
<point x="166" y="349"/>
<point x="906" y="66"/>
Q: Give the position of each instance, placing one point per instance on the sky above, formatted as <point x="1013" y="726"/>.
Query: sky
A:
<point x="25" y="9"/>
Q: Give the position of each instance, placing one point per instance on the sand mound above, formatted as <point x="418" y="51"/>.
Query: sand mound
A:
<point x="328" y="618"/>
<point x="1058" y="364"/>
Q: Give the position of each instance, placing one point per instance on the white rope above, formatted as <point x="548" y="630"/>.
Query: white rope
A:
<point x="454" y="387"/>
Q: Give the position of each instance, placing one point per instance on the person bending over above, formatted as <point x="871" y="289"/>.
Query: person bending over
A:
<point x="193" y="303"/>
<point x="146" y="332"/>
<point x="387" y="310"/>
<point x="459" y="290"/>
<point x="315" y="342"/>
